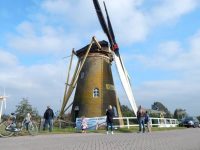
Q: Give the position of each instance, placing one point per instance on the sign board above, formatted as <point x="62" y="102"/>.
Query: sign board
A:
<point x="93" y="123"/>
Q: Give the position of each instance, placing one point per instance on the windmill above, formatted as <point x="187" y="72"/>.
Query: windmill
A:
<point x="2" y="102"/>
<point x="93" y="78"/>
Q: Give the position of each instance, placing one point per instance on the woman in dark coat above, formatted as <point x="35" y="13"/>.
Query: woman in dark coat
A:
<point x="109" y="119"/>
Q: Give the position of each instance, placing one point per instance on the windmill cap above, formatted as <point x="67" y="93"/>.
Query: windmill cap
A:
<point x="94" y="48"/>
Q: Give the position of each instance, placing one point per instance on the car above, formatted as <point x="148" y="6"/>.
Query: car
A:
<point x="190" y="122"/>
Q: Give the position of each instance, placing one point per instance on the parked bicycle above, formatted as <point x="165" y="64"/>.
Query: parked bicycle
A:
<point x="11" y="127"/>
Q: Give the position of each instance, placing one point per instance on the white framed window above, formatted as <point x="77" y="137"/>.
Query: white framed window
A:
<point x="96" y="92"/>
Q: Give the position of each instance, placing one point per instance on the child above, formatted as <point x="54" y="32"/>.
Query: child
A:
<point x="84" y="124"/>
<point x="147" y="121"/>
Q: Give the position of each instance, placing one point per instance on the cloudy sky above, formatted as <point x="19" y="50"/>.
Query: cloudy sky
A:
<point x="159" y="42"/>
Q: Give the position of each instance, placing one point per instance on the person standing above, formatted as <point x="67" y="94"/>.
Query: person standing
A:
<point x="141" y="119"/>
<point x="148" y="121"/>
<point x="109" y="119"/>
<point x="48" y="116"/>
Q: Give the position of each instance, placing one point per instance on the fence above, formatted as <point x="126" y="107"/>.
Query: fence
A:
<point x="128" y="122"/>
<point x="155" y="122"/>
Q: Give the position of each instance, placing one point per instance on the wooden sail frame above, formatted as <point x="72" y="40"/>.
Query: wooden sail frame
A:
<point x="69" y="88"/>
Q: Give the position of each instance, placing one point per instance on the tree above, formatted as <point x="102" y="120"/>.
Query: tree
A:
<point x="154" y="115"/>
<point x="160" y="107"/>
<point x="198" y="117"/>
<point x="180" y="113"/>
<point x="25" y="107"/>
<point x="4" y="117"/>
<point x="127" y="112"/>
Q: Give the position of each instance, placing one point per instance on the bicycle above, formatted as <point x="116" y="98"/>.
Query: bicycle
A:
<point x="6" y="129"/>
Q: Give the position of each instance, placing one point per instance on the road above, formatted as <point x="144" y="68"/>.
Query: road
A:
<point x="186" y="139"/>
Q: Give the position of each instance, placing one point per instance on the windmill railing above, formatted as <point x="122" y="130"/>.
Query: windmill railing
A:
<point x="154" y="122"/>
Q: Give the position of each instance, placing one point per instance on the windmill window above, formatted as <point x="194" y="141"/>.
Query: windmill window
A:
<point x="96" y="92"/>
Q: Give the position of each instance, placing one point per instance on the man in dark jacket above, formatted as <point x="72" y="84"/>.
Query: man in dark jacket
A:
<point x="48" y="116"/>
<point x="109" y="118"/>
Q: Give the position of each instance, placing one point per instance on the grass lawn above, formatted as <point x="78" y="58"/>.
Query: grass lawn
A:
<point x="118" y="130"/>
<point x="71" y="130"/>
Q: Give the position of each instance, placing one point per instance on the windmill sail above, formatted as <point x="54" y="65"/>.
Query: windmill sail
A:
<point x="125" y="82"/>
<point x="114" y="45"/>
<point x="119" y="63"/>
<point x="102" y="20"/>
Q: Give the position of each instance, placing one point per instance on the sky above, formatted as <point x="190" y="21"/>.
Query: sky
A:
<point x="159" y="42"/>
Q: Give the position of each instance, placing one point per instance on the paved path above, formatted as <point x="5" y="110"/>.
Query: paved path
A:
<point x="187" y="139"/>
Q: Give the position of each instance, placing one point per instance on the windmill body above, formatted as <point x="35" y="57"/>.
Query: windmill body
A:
<point x="93" y="78"/>
<point x="95" y="88"/>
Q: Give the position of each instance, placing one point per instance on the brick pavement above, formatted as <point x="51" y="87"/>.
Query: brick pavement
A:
<point x="187" y="139"/>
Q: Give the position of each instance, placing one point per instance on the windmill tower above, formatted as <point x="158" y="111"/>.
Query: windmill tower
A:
<point x="95" y="88"/>
<point x="93" y="76"/>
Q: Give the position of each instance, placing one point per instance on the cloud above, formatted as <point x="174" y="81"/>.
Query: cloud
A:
<point x="77" y="13"/>
<point x="172" y="55"/>
<point x="47" y="39"/>
<point x="7" y="59"/>
<point x="42" y="84"/>
<point x="169" y="10"/>
<point x="176" y="75"/>
<point x="86" y="24"/>
<point x="194" y="42"/>
<point x="56" y="7"/>
<point x="44" y="33"/>
<point x="135" y="24"/>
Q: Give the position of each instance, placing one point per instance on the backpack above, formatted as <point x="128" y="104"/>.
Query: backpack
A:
<point x="146" y="118"/>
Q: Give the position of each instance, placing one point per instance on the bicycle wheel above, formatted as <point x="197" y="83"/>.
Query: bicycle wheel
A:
<point x="32" y="128"/>
<point x="3" y="131"/>
<point x="23" y="130"/>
